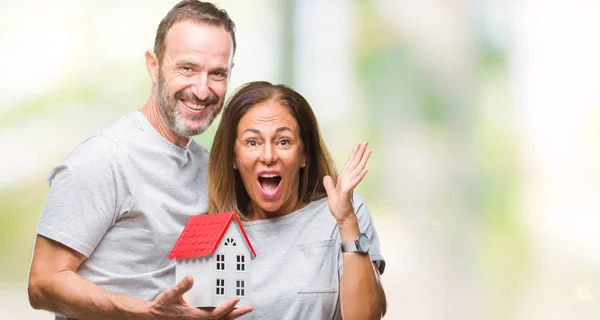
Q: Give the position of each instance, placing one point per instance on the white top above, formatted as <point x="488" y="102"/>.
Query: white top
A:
<point x="122" y="198"/>
<point x="299" y="262"/>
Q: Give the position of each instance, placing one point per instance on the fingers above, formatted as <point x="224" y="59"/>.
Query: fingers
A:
<point x="360" y="151"/>
<point x="225" y="307"/>
<point x="239" y="311"/>
<point x="361" y="175"/>
<point x="355" y="180"/>
<point x="356" y="156"/>
<point x="360" y="171"/>
<point x="363" y="161"/>
<point x="170" y="303"/>
<point x="351" y="159"/>
<point x="355" y="168"/>
<point x="227" y="311"/>
<point x="328" y="184"/>
<point x="175" y="293"/>
<point x="353" y="153"/>
<point x="183" y="286"/>
<point x="353" y="173"/>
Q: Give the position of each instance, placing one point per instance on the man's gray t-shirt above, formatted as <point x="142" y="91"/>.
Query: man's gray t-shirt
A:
<point x="299" y="262"/>
<point x="122" y="198"/>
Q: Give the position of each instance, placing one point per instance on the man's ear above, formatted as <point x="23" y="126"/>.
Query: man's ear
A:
<point x="152" y="65"/>
<point x="230" y="69"/>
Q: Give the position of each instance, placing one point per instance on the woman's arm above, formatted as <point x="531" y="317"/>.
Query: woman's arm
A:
<point x="361" y="293"/>
<point x="55" y="286"/>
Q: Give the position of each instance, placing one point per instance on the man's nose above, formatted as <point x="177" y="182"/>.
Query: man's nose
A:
<point x="200" y="87"/>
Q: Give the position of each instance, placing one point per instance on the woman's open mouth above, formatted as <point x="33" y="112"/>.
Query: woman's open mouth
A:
<point x="269" y="184"/>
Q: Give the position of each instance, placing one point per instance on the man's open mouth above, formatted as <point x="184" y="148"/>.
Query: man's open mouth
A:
<point x="193" y="105"/>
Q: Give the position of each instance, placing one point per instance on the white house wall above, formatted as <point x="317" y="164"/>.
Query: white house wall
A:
<point x="201" y="294"/>
<point x="230" y="273"/>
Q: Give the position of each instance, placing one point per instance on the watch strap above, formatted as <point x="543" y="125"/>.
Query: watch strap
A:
<point x="349" y="247"/>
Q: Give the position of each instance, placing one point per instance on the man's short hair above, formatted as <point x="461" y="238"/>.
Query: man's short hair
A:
<point x="195" y="10"/>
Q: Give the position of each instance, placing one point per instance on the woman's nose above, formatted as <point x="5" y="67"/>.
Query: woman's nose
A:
<point x="268" y="154"/>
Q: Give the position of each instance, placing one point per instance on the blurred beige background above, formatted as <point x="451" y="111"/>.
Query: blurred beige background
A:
<point x="484" y="118"/>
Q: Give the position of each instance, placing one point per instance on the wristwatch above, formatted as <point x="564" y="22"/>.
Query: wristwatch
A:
<point x="361" y="244"/>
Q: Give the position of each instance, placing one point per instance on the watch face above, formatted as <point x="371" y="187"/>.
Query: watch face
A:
<point x="363" y="242"/>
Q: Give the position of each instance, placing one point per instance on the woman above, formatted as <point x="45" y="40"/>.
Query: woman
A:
<point x="269" y="164"/>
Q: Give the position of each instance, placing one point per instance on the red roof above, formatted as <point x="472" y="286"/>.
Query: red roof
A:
<point x="202" y="234"/>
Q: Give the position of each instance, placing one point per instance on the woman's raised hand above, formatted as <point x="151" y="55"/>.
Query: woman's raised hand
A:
<point x="340" y="194"/>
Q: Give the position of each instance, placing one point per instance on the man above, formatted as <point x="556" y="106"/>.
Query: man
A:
<point x="118" y="203"/>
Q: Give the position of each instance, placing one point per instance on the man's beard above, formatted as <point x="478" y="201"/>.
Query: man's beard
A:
<point x="172" y="116"/>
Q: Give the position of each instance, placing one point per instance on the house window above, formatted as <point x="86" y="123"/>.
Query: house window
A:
<point x="241" y="262"/>
<point x="220" y="287"/>
<point x="240" y="288"/>
<point x="221" y="262"/>
<point x="229" y="242"/>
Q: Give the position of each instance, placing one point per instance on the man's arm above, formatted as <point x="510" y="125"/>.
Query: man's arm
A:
<point x="55" y="286"/>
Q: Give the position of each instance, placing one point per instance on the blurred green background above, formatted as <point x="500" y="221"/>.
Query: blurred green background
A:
<point x="483" y="117"/>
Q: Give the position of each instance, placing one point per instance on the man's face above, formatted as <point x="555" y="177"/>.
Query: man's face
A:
<point x="193" y="75"/>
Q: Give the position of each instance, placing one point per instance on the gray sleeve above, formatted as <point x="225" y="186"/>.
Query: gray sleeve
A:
<point x="366" y="225"/>
<point x="88" y="192"/>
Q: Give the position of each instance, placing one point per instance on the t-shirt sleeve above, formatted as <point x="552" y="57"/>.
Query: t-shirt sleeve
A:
<point x="366" y="225"/>
<point x="88" y="192"/>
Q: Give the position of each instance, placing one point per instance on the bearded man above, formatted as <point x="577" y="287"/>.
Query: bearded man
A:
<point x="119" y="201"/>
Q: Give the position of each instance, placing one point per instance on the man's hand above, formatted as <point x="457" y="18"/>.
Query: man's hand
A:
<point x="171" y="305"/>
<point x="55" y="286"/>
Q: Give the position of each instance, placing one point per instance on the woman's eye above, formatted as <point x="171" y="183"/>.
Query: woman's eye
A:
<point x="284" y="142"/>
<point x="251" y="143"/>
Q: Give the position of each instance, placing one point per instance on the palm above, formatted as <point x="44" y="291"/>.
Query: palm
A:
<point x="171" y="305"/>
<point x="340" y="195"/>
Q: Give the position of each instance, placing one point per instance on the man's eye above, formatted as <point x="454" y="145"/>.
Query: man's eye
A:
<point x="186" y="70"/>
<point x="219" y="75"/>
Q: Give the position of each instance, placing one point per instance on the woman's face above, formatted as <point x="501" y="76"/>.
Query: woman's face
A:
<point x="269" y="153"/>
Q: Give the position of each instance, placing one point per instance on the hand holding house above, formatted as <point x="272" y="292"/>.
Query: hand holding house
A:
<point x="215" y="250"/>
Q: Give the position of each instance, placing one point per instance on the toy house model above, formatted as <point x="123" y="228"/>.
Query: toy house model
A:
<point x="214" y="249"/>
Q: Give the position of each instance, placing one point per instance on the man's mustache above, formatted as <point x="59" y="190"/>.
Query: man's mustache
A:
<point x="187" y="95"/>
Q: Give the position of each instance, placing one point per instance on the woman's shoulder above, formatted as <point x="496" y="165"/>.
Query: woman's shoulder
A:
<point x="357" y="200"/>
<point x="317" y="205"/>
